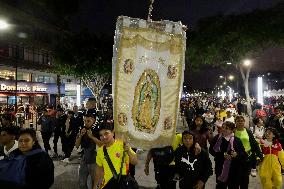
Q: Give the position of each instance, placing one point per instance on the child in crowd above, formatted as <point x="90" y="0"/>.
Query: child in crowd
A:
<point x="270" y="167"/>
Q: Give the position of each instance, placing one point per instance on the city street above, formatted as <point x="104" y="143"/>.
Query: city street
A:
<point x="66" y="175"/>
<point x="148" y="68"/>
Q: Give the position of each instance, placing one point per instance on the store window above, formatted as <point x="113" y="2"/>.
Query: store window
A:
<point x="23" y="76"/>
<point x="44" y="79"/>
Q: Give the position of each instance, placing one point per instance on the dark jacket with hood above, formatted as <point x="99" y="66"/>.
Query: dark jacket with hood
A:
<point x="191" y="167"/>
<point x="39" y="172"/>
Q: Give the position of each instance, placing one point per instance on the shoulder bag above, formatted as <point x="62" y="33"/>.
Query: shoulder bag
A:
<point x="119" y="181"/>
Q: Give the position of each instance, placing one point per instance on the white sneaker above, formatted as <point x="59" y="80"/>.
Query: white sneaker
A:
<point x="253" y="173"/>
<point x="66" y="160"/>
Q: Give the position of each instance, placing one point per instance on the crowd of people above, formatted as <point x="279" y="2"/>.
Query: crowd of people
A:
<point x="215" y="126"/>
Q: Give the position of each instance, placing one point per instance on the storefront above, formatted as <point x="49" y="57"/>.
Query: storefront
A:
<point x="28" y="93"/>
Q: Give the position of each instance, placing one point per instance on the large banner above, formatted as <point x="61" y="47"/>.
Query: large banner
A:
<point x="148" y="67"/>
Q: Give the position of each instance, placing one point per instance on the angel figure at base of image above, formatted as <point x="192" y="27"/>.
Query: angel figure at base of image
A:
<point x="122" y="119"/>
<point x="146" y="106"/>
<point x="128" y="66"/>
<point x="172" y="72"/>
<point x="168" y="123"/>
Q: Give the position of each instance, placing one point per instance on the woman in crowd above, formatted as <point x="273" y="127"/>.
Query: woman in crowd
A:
<point x="251" y="147"/>
<point x="201" y="131"/>
<point x="229" y="155"/>
<point x="270" y="167"/>
<point x="39" y="171"/>
<point x="193" y="168"/>
<point x="40" y="168"/>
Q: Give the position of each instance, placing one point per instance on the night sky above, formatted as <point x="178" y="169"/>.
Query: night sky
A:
<point x="99" y="16"/>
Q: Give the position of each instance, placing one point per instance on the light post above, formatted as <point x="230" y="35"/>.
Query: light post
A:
<point x="3" y="25"/>
<point x="247" y="64"/>
<point x="260" y="90"/>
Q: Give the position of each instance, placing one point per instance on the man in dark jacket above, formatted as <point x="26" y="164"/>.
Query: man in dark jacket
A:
<point x="58" y="130"/>
<point x="47" y="128"/>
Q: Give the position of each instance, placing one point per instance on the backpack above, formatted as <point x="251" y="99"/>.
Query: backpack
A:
<point x="163" y="156"/>
<point x="13" y="168"/>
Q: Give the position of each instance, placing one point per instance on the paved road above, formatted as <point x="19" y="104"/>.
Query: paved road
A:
<point x="66" y="175"/>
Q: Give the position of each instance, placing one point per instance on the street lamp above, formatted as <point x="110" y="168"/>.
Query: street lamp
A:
<point x="3" y="25"/>
<point x="231" y="77"/>
<point x="247" y="63"/>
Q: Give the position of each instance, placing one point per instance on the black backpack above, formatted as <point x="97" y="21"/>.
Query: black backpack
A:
<point x="163" y="156"/>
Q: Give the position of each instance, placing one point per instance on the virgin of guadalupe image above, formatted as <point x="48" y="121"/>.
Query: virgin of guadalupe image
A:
<point x="147" y="104"/>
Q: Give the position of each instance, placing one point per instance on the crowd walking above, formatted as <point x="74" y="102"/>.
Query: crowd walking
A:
<point x="213" y="129"/>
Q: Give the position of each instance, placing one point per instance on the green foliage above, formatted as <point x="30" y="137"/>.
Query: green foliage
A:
<point x="231" y="38"/>
<point x="83" y="54"/>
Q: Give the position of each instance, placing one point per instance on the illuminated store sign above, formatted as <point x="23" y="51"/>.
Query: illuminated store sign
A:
<point x="30" y="87"/>
<point x="25" y="88"/>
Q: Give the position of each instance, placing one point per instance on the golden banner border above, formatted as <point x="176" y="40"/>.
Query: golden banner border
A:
<point x="122" y="44"/>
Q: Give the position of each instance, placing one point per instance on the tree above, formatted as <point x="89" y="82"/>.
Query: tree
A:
<point x="233" y="38"/>
<point x="85" y="56"/>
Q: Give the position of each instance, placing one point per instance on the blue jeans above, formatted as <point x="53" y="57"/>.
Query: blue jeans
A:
<point x="84" y="171"/>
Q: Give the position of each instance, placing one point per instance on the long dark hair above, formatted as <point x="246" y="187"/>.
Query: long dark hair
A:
<point x="32" y="133"/>
<point x="203" y="128"/>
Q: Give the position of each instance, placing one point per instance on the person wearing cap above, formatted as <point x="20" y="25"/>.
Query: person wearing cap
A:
<point x="116" y="149"/>
<point x="8" y="140"/>
<point x="194" y="168"/>
<point x="87" y="139"/>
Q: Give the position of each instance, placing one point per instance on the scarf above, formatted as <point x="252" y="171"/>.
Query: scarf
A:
<point x="227" y="162"/>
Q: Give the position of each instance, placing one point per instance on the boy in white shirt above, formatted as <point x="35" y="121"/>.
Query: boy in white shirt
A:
<point x="8" y="140"/>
